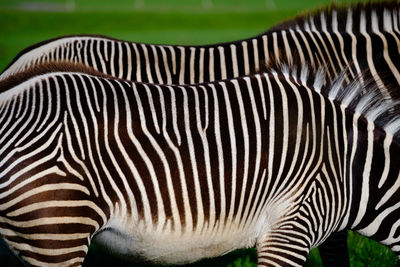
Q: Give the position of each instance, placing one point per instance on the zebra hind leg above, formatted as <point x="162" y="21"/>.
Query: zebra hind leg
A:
<point x="334" y="250"/>
<point x="282" y="247"/>
<point x="52" y="227"/>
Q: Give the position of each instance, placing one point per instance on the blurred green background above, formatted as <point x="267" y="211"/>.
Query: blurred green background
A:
<point x="24" y="23"/>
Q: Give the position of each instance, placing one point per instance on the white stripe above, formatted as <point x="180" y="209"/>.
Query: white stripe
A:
<point x="182" y="66"/>
<point x="112" y="55"/>
<point x="201" y="65"/>
<point x="287" y="48"/>
<point x="222" y="62"/>
<point x="203" y="136"/>
<point x="256" y="56"/>
<point x="147" y="63"/>
<point x="152" y="108"/>
<point x="218" y="140"/>
<point x="47" y="251"/>
<point x="138" y="67"/>
<point x="234" y="61"/>
<point x="174" y="115"/>
<point x="191" y="65"/>
<point x="167" y="170"/>
<point x="43" y="236"/>
<point x="85" y="52"/>
<point x="58" y="204"/>
<point x="157" y="65"/>
<point x="51" y="221"/>
<point x="245" y="133"/>
<point x="285" y="130"/>
<point x="193" y="161"/>
<point x="120" y="64"/>
<point x="183" y="191"/>
<point x="261" y="89"/>
<point x="385" y="173"/>
<point x="266" y="50"/>
<point x="232" y="138"/>
<point x="103" y="65"/>
<point x="173" y="58"/>
<point x="275" y="45"/>
<point x="166" y="66"/>
<point x="92" y="54"/>
<point x="37" y="190"/>
<point x="246" y="58"/>
<point x="129" y="61"/>
<point x="211" y="64"/>
<point x="75" y="261"/>
<point x="258" y="149"/>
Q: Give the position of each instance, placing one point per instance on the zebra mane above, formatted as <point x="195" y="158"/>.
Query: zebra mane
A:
<point x="44" y="68"/>
<point x="378" y="15"/>
<point x="376" y="103"/>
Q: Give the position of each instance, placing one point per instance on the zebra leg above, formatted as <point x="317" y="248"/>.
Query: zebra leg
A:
<point x="283" y="247"/>
<point x="51" y="226"/>
<point x="334" y="250"/>
<point x="51" y="252"/>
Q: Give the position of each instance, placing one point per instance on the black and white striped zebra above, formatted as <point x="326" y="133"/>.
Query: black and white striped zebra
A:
<point x="177" y="173"/>
<point x="360" y="35"/>
<point x="335" y="38"/>
<point x="319" y="38"/>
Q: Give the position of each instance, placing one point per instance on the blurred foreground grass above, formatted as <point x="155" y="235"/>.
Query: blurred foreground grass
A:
<point x="20" y="29"/>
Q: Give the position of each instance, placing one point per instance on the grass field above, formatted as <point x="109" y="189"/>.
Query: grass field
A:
<point x="180" y="22"/>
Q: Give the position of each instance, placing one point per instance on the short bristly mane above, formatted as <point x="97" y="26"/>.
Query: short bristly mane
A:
<point x="361" y="95"/>
<point x="378" y="14"/>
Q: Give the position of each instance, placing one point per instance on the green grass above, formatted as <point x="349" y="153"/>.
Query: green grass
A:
<point x="180" y="23"/>
<point x="170" y="4"/>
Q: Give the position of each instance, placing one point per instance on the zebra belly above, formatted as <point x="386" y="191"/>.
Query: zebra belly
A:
<point x="171" y="247"/>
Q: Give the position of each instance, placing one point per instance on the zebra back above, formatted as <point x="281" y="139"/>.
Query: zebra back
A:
<point x="364" y="36"/>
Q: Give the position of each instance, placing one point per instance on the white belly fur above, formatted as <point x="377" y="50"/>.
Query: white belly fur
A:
<point x="170" y="247"/>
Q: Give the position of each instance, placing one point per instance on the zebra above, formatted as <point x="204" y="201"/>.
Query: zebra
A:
<point x="335" y="38"/>
<point x="176" y="173"/>
<point x="319" y="38"/>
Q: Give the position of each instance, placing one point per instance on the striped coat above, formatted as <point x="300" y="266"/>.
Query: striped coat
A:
<point x="173" y="174"/>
